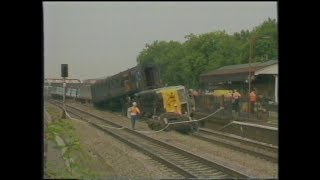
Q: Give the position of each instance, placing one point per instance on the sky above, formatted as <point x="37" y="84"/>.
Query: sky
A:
<point x="99" y="39"/>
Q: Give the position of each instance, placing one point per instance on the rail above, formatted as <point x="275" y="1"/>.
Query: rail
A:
<point x="185" y="163"/>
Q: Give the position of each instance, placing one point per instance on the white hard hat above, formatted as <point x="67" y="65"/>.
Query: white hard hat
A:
<point x="134" y="103"/>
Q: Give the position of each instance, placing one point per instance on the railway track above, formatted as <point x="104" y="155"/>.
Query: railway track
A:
<point x="255" y="148"/>
<point x="261" y="150"/>
<point x="186" y="164"/>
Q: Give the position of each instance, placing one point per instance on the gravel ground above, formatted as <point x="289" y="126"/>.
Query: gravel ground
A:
<point x="125" y="161"/>
<point x="252" y="166"/>
<point x="124" y="121"/>
<point x="111" y="159"/>
<point x="54" y="163"/>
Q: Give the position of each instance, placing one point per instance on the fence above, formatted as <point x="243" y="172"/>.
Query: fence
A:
<point x="262" y="110"/>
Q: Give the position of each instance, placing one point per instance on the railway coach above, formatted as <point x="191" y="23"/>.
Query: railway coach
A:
<point x="84" y="95"/>
<point x="54" y="88"/>
<point x="111" y="92"/>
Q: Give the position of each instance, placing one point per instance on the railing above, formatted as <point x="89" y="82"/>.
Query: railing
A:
<point x="264" y="110"/>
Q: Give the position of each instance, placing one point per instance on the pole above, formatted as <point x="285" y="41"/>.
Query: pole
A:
<point x="64" y="97"/>
<point x="64" y="91"/>
<point x="251" y="60"/>
<point x="249" y="79"/>
<point x="252" y="56"/>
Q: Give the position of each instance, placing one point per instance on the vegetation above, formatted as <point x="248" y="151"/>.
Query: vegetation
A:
<point x="71" y="144"/>
<point x="81" y="164"/>
<point x="182" y="63"/>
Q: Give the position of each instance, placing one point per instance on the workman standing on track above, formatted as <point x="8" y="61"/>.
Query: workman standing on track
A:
<point x="134" y="113"/>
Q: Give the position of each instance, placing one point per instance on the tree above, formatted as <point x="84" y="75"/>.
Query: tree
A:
<point x="183" y="63"/>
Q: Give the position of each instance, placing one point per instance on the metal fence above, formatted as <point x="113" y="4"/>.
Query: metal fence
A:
<point x="264" y="109"/>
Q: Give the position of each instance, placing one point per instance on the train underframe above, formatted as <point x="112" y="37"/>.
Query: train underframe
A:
<point x="161" y="122"/>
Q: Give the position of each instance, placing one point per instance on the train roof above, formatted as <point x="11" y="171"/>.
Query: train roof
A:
<point x="102" y="79"/>
<point x="89" y="81"/>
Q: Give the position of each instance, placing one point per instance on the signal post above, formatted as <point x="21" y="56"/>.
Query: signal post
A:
<point x="64" y="75"/>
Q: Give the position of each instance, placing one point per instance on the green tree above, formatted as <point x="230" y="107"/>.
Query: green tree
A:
<point x="266" y="49"/>
<point x="183" y="63"/>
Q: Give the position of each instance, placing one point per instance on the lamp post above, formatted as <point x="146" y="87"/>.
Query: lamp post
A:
<point x="252" y="55"/>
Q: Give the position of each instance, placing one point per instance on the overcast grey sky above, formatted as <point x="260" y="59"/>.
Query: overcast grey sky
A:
<point x="100" y="39"/>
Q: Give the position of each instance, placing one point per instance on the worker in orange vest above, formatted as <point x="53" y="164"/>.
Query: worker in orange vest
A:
<point x="134" y="113"/>
<point x="253" y="100"/>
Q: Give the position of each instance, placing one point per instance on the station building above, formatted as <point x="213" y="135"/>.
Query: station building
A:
<point x="264" y="78"/>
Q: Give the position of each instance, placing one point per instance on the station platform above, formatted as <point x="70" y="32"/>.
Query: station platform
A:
<point x="271" y="121"/>
<point x="257" y="130"/>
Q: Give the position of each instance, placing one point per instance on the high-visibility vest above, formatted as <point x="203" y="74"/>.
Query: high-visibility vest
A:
<point x="253" y="97"/>
<point x="134" y="111"/>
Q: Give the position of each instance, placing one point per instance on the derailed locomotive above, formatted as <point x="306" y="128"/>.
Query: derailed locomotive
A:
<point x="167" y="105"/>
<point x="142" y="83"/>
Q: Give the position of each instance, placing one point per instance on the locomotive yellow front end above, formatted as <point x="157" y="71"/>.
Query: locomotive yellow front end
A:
<point x="174" y="100"/>
<point x="171" y="108"/>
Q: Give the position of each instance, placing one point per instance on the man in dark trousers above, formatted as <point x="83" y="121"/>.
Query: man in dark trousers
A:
<point x="236" y="97"/>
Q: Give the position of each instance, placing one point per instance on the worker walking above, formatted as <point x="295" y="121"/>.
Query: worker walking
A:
<point x="134" y="114"/>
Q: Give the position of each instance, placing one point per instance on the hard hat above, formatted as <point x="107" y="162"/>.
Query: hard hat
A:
<point x="134" y="103"/>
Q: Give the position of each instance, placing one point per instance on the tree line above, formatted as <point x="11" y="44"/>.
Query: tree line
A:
<point x="182" y="63"/>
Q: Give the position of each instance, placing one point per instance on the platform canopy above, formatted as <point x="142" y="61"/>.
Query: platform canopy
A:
<point x="272" y="69"/>
<point x="239" y="72"/>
